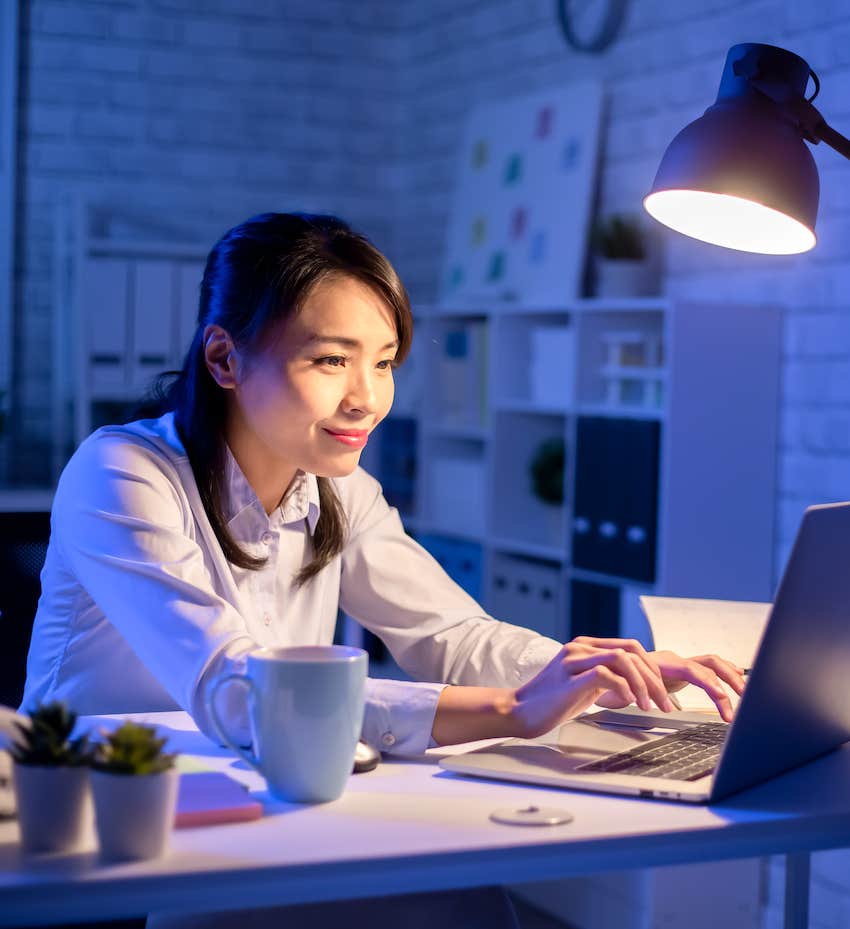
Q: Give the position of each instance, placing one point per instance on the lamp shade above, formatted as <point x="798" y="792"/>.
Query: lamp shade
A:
<point x="741" y="175"/>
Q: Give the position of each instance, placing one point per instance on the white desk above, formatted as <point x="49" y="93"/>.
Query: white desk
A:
<point x="409" y="826"/>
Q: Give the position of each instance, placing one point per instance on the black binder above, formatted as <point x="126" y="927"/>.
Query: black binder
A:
<point x="616" y="496"/>
<point x="594" y="610"/>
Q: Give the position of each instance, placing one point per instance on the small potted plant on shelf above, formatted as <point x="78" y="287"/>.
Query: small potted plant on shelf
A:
<point x="622" y="265"/>
<point x="135" y="793"/>
<point x="546" y="470"/>
<point x="51" y="781"/>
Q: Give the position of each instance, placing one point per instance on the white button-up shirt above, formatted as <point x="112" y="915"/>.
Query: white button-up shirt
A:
<point x="141" y="611"/>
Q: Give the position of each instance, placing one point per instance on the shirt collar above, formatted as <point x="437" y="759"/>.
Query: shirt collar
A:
<point x="301" y="501"/>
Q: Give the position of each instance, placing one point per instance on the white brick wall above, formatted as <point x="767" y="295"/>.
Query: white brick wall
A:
<point x="661" y="74"/>
<point x="358" y="108"/>
<point x="196" y="114"/>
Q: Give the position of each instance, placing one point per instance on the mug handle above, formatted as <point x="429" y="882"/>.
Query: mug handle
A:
<point x="218" y="726"/>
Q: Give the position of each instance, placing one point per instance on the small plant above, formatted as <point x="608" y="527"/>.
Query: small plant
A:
<point x="619" y="237"/>
<point x="547" y="471"/>
<point x="132" y="748"/>
<point x="47" y="741"/>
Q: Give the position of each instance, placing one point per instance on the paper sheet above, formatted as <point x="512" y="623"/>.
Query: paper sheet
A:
<point x="729" y="628"/>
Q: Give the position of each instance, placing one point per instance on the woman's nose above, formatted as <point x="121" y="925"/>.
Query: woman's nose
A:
<point x="361" y="393"/>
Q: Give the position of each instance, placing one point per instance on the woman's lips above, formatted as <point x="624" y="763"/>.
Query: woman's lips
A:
<point x="353" y="438"/>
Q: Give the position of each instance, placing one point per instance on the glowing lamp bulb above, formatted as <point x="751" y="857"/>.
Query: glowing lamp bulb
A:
<point x="730" y="221"/>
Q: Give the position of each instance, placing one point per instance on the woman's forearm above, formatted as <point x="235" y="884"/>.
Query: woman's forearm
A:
<point x="465" y="714"/>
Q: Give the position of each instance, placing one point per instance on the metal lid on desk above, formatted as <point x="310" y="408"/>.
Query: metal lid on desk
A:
<point x="532" y="816"/>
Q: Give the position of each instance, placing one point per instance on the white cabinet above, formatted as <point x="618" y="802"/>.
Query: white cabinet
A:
<point x="134" y="313"/>
<point x="665" y="418"/>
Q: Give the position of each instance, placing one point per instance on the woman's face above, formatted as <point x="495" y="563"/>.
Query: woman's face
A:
<point x="310" y="398"/>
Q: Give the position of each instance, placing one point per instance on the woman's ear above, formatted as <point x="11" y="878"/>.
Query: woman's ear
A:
<point x="221" y="357"/>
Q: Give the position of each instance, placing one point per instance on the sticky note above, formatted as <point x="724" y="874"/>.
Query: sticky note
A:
<point x="513" y="172"/>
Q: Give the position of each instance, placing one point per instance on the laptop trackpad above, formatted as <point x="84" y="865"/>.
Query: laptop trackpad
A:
<point x="573" y="744"/>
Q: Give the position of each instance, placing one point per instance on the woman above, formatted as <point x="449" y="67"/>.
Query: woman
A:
<point x="240" y="518"/>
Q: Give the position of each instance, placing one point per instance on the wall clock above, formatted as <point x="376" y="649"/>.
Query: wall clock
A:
<point x="591" y="25"/>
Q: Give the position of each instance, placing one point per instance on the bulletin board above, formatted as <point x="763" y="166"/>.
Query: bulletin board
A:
<point x="525" y="183"/>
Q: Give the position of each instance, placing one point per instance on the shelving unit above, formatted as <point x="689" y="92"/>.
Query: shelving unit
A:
<point x="126" y="311"/>
<point x="668" y="415"/>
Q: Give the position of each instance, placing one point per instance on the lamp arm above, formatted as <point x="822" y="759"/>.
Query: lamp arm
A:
<point x="813" y="126"/>
<point x="833" y="139"/>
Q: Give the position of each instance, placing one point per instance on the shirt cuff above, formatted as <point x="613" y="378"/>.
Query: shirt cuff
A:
<point x="399" y="715"/>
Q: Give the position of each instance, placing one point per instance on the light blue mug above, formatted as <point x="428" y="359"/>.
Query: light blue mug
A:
<point x="305" y="706"/>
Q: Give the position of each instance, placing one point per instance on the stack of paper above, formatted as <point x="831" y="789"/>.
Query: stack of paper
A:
<point x="731" y="629"/>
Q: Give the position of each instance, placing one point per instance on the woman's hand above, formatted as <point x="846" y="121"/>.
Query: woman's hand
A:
<point x="583" y="671"/>
<point x="609" y="672"/>
<point x="705" y="671"/>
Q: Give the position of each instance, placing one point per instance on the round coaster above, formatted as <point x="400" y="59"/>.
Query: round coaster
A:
<point x="532" y="816"/>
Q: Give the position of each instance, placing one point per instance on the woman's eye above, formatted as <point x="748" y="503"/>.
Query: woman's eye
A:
<point x="333" y="361"/>
<point x="386" y="365"/>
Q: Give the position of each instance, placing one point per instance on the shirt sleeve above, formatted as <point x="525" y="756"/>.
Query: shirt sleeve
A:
<point x="433" y="628"/>
<point x="127" y="536"/>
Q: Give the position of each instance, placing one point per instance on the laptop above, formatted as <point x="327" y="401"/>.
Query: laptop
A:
<point x="795" y="706"/>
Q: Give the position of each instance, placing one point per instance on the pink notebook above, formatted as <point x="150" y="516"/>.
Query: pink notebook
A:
<point x="205" y="798"/>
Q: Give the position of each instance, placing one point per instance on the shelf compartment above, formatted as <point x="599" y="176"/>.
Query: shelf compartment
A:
<point x="623" y="361"/>
<point x="528" y="592"/>
<point x="393" y="461"/>
<point x="518" y="512"/>
<point x="462" y="560"/>
<point x="534" y="360"/>
<point x="454" y="486"/>
<point x="458" y="348"/>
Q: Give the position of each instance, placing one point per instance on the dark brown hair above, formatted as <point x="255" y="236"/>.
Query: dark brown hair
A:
<point x="257" y="275"/>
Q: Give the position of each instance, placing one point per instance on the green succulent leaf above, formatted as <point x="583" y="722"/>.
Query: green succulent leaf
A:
<point x="46" y="740"/>
<point x="132" y="748"/>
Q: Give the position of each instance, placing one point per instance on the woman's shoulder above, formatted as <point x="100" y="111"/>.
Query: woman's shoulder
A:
<point x="356" y="489"/>
<point x="143" y="450"/>
<point x="362" y="498"/>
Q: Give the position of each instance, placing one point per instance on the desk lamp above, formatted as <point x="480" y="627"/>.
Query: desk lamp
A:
<point x="741" y="175"/>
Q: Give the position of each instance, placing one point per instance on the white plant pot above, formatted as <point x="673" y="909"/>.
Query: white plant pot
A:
<point x="134" y="813"/>
<point x="626" y="278"/>
<point x="54" y="807"/>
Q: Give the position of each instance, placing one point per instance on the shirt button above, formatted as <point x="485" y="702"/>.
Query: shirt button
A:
<point x="267" y="538"/>
<point x="267" y="619"/>
<point x="388" y="739"/>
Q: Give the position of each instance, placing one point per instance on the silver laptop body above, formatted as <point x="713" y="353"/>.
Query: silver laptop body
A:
<point x="795" y="707"/>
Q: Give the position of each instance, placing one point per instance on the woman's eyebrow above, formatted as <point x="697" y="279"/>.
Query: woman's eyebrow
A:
<point x="314" y="337"/>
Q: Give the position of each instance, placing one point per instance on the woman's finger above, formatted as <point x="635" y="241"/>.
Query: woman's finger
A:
<point x="645" y="685"/>
<point x="724" y="669"/>
<point x="601" y="678"/>
<point x="706" y="679"/>
<point x="629" y="645"/>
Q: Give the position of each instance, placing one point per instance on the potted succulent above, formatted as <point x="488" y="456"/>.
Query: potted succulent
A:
<point x="622" y="266"/>
<point x="134" y="783"/>
<point x="51" y="780"/>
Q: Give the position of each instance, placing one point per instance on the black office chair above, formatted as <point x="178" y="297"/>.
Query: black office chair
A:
<point x="23" y="545"/>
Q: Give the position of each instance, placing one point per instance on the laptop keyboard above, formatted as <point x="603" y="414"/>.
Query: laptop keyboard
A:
<point x="685" y="755"/>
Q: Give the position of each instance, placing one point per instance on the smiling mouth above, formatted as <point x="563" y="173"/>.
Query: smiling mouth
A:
<point x="353" y="438"/>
